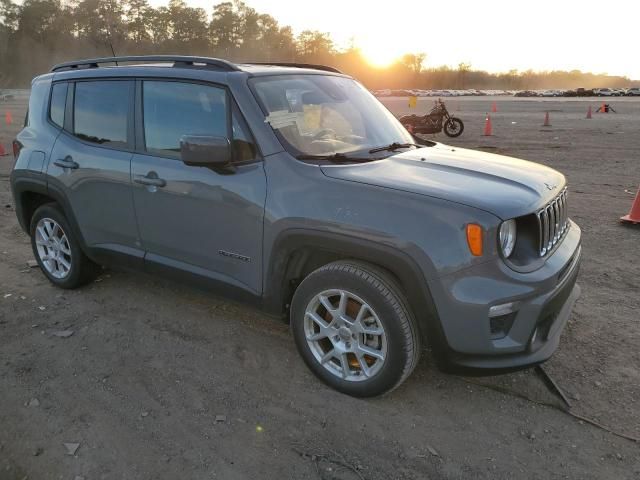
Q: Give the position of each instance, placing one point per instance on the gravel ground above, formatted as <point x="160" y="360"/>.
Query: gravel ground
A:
<point x="159" y="380"/>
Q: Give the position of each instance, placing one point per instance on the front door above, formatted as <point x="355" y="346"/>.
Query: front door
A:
<point x="194" y="218"/>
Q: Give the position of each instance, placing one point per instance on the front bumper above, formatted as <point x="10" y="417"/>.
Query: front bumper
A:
<point x="544" y="300"/>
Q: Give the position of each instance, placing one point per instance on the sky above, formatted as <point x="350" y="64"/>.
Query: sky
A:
<point x="493" y="35"/>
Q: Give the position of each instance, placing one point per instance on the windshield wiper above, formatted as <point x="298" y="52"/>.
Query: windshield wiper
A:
<point x="336" y="158"/>
<point x="394" y="146"/>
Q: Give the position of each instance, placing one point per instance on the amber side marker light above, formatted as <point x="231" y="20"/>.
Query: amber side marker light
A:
<point x="474" y="239"/>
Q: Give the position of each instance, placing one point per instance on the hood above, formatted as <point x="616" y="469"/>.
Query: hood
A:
<point x="505" y="186"/>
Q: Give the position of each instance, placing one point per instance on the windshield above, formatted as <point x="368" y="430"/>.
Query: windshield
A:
<point x="326" y="115"/>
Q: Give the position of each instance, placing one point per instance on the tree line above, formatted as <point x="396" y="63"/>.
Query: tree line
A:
<point x="36" y="34"/>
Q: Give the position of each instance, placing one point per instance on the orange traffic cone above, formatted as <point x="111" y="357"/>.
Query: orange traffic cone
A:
<point x="589" y="112"/>
<point x="488" y="130"/>
<point x="603" y="108"/>
<point x="494" y="107"/>
<point x="2" y="151"/>
<point x="7" y="118"/>
<point x="546" y="120"/>
<point x="634" y="214"/>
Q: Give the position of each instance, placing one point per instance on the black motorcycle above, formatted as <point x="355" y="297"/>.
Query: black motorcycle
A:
<point x="434" y="122"/>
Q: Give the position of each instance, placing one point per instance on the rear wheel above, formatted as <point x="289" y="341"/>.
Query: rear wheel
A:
<point x="453" y="127"/>
<point x="354" y="329"/>
<point x="57" y="251"/>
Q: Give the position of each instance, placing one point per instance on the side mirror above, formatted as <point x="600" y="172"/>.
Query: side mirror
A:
<point x="205" y="151"/>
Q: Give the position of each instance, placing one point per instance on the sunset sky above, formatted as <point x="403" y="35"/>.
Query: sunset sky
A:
<point x="494" y="35"/>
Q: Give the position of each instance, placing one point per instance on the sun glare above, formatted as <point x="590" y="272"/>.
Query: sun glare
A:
<point x="380" y="54"/>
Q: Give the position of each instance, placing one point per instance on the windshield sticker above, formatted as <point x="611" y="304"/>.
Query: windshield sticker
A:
<point x="285" y="118"/>
<point x="281" y="118"/>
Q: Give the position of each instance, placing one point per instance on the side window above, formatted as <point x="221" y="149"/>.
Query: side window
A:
<point x="58" y="102"/>
<point x="173" y="109"/>
<point x="101" y="111"/>
<point x="244" y="148"/>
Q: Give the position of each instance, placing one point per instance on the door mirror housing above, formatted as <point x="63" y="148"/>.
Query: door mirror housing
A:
<point x="205" y="151"/>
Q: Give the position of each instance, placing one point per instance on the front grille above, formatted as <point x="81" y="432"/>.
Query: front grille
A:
<point x="553" y="223"/>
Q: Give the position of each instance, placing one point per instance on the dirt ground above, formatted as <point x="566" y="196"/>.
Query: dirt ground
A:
<point x="161" y="381"/>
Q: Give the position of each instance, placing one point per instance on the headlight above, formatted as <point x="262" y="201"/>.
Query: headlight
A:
<point x="507" y="237"/>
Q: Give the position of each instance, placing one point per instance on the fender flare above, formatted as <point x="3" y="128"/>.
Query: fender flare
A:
<point x="398" y="262"/>
<point x="35" y="183"/>
<point x="20" y="185"/>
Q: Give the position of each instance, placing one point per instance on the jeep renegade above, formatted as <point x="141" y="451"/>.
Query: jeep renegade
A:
<point x="292" y="187"/>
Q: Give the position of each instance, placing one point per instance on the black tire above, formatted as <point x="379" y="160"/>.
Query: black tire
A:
<point x="378" y="290"/>
<point x="453" y="127"/>
<point x="82" y="269"/>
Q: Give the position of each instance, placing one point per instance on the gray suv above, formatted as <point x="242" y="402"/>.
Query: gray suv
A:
<point x="290" y="186"/>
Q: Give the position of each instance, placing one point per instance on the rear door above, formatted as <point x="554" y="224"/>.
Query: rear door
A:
<point x="91" y="161"/>
<point x="192" y="218"/>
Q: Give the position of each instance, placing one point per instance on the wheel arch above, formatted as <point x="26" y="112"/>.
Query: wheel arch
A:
<point x="30" y="193"/>
<point x="298" y="252"/>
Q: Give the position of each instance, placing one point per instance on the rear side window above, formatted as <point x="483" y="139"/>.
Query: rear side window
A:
<point x="101" y="111"/>
<point x="58" y="102"/>
<point x="174" y="109"/>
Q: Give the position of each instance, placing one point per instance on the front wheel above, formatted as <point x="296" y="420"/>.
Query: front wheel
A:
<point x="354" y="329"/>
<point x="453" y="127"/>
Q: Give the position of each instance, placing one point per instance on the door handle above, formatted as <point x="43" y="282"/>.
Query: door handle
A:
<point x="150" y="179"/>
<point x="66" y="162"/>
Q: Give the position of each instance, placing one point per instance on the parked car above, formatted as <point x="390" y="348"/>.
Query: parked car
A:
<point x="584" y="92"/>
<point x="633" y="92"/>
<point x="382" y="93"/>
<point x="526" y="93"/>
<point x="6" y="96"/>
<point x="291" y="187"/>
<point x="603" y="92"/>
<point x="401" y="93"/>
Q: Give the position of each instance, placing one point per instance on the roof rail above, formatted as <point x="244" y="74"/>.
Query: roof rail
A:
<point x="312" y="66"/>
<point x="177" y="60"/>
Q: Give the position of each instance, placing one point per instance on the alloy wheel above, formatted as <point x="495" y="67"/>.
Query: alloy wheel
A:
<point x="345" y="335"/>
<point x="53" y="248"/>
